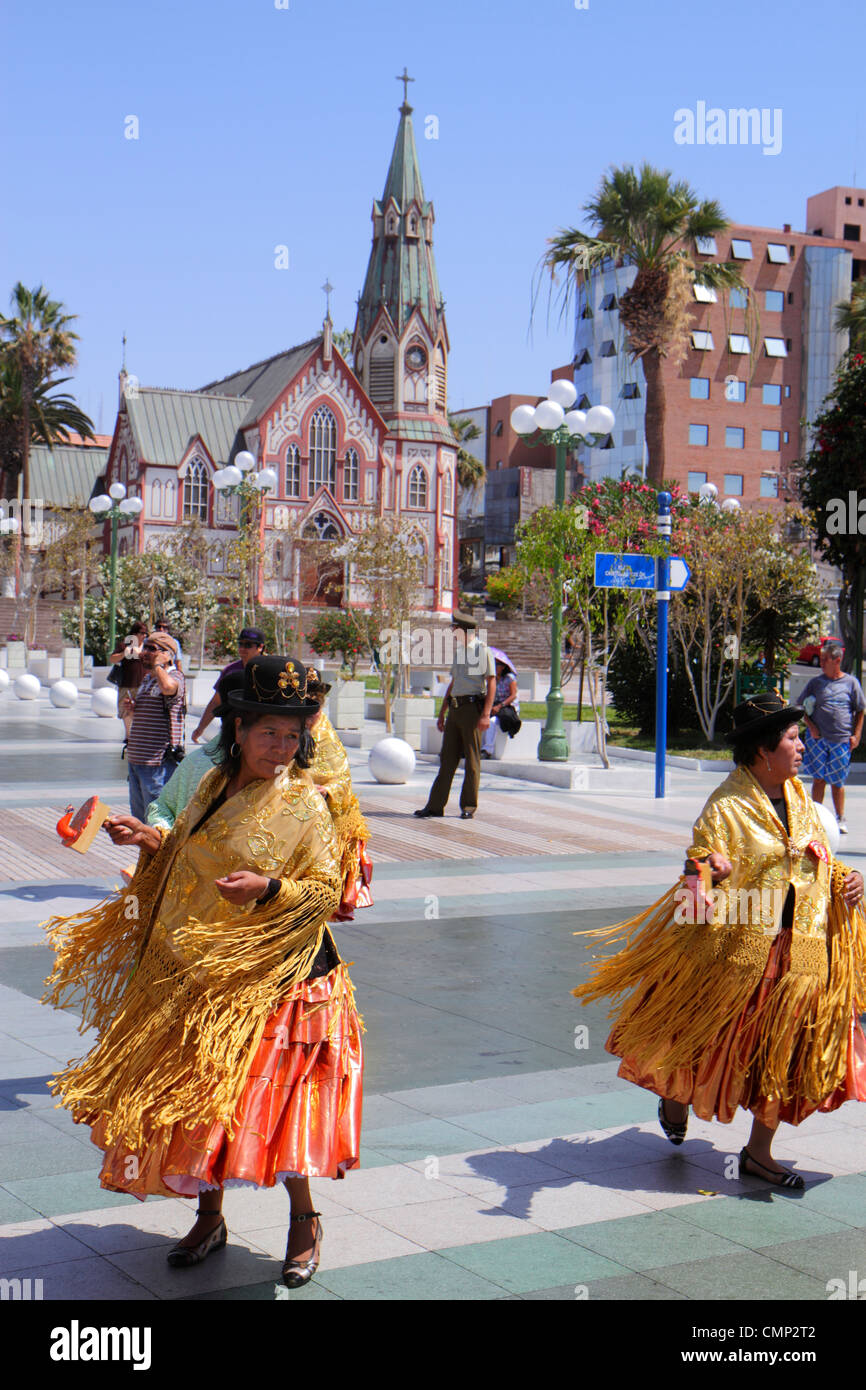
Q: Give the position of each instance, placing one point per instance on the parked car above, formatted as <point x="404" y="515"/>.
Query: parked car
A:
<point x="810" y="655"/>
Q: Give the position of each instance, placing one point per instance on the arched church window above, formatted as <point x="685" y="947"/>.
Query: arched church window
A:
<point x="447" y="491"/>
<point x="169" y="506"/>
<point x="195" y="492"/>
<point x="156" y="498"/>
<point x="441" y="375"/>
<point x="446" y="580"/>
<point x="417" y="487"/>
<point x="321" y="527"/>
<point x="381" y="366"/>
<point x="351" y="476"/>
<point x="323" y="450"/>
<point x="293" y="472"/>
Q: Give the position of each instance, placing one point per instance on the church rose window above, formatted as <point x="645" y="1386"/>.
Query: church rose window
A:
<point x="323" y="450"/>
<point x="195" y="492"/>
<point x="351" y="476"/>
<point x="418" y="487"/>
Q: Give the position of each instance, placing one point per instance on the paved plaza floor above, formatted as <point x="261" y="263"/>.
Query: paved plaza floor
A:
<point x="502" y="1158"/>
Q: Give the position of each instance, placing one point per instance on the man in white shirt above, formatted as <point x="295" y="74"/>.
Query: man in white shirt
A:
<point x="464" y="716"/>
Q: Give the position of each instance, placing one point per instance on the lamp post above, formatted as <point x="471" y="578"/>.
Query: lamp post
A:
<point x="111" y="508"/>
<point x="551" y="425"/>
<point x="235" y="481"/>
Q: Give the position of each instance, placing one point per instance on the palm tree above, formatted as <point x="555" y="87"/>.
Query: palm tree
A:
<point x="646" y="220"/>
<point x="851" y="318"/>
<point x="53" y="418"/>
<point x="470" y="470"/>
<point x="37" y="339"/>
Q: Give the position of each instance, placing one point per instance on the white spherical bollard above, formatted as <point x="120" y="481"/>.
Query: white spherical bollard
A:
<point x="63" y="694"/>
<point x="104" y="702"/>
<point x="27" y="687"/>
<point x="831" y="828"/>
<point x="391" y="761"/>
<point x="4" y="678"/>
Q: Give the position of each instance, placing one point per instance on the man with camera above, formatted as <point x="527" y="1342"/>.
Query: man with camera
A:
<point x="126" y="658"/>
<point x="155" y="745"/>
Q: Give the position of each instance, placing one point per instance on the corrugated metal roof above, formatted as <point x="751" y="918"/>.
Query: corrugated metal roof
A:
<point x="262" y="383"/>
<point x="428" y="430"/>
<point x="164" y="422"/>
<point x="65" y="476"/>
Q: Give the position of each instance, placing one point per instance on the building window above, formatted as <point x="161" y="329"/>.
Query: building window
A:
<point x="608" y="301"/>
<point x="733" y="484"/>
<point x="785" y="437"/>
<point x="735" y="437"/>
<point x="850" y="232"/>
<point x="441" y="380"/>
<point x="741" y="250"/>
<point x="696" y="481"/>
<point x="774" y="301"/>
<point x="381" y="372"/>
<point x="370" y="486"/>
<point x="418" y="487"/>
<point x="631" y="391"/>
<point x="735" y="391"/>
<point x="168" y="503"/>
<point x="447" y="492"/>
<point x="195" y="492"/>
<point x="699" y="388"/>
<point x="770" y="441"/>
<point x="446" y="566"/>
<point x="775" y="347"/>
<point x="699" y="434"/>
<point x="497" y="429"/>
<point x="293" y="472"/>
<point x="156" y="499"/>
<point x="608" y="348"/>
<point x="738" y="299"/>
<point x="738" y="343"/>
<point x="706" y="246"/>
<point x="771" y="395"/>
<point x="705" y="294"/>
<point x="586" y="312"/>
<point x="323" y="451"/>
<point x="582" y="358"/>
<point x="770" y="486"/>
<point x="777" y="254"/>
<point x="702" y="340"/>
<point x="584" y="402"/>
<point x="351" y="476"/>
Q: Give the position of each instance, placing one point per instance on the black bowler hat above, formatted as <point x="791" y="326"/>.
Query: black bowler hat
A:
<point x="273" y="685"/>
<point x="762" y="714"/>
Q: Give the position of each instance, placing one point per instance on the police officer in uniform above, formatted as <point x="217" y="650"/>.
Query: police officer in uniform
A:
<point x="467" y="705"/>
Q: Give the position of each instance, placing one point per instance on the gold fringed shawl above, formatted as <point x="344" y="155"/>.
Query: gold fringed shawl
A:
<point x="330" y="771"/>
<point x="185" y="1031"/>
<point x="682" y="986"/>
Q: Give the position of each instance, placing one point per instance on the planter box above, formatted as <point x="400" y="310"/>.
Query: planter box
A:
<point x="47" y="669"/>
<point x="70" y="663"/>
<point x="99" y="676"/>
<point x="407" y="714"/>
<point x="346" y="702"/>
<point x="16" y="656"/>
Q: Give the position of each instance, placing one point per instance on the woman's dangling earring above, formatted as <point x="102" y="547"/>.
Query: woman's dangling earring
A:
<point x="767" y="761"/>
<point x="235" y="750"/>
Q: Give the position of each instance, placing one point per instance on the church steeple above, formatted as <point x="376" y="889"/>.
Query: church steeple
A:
<point x="401" y="299"/>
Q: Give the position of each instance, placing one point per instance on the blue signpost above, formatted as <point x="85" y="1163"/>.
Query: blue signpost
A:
<point x="665" y="573"/>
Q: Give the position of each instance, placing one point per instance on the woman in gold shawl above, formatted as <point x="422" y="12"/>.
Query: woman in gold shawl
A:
<point x="329" y="771"/>
<point x="229" y="1049"/>
<point x="749" y="994"/>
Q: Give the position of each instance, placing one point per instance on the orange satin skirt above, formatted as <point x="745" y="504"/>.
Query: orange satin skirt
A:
<point x="356" y="889"/>
<point x="299" y="1114"/>
<point x="720" y="1084"/>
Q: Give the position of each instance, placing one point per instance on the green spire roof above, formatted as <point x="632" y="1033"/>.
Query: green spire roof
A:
<point x="401" y="274"/>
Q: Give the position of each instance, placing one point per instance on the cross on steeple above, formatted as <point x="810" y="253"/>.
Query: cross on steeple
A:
<point x="329" y="290"/>
<point x="405" y="79"/>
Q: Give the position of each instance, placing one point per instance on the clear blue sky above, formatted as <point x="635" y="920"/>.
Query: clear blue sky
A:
<point x="262" y="126"/>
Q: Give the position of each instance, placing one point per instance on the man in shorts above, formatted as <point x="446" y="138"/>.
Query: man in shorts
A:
<point x="834" y="705"/>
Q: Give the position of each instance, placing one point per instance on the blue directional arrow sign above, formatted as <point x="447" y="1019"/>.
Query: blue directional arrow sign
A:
<point x="679" y="573"/>
<point x="624" y="571"/>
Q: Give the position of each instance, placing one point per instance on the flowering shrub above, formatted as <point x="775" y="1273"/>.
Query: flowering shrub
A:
<point x="338" y="630"/>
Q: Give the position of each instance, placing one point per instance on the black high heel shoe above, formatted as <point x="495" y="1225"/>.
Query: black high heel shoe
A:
<point x="676" y="1133"/>
<point x="180" y="1256"/>
<point x="783" y="1179"/>
<point x="298" y="1272"/>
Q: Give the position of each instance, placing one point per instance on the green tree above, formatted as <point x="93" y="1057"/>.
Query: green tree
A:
<point x="647" y="220"/>
<point x="851" y="318"/>
<point x="54" y="417"/>
<point x="148" y="585"/>
<point x="470" y="470"/>
<point x="339" y="631"/>
<point x="832" y="484"/>
<point x="37" y="340"/>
